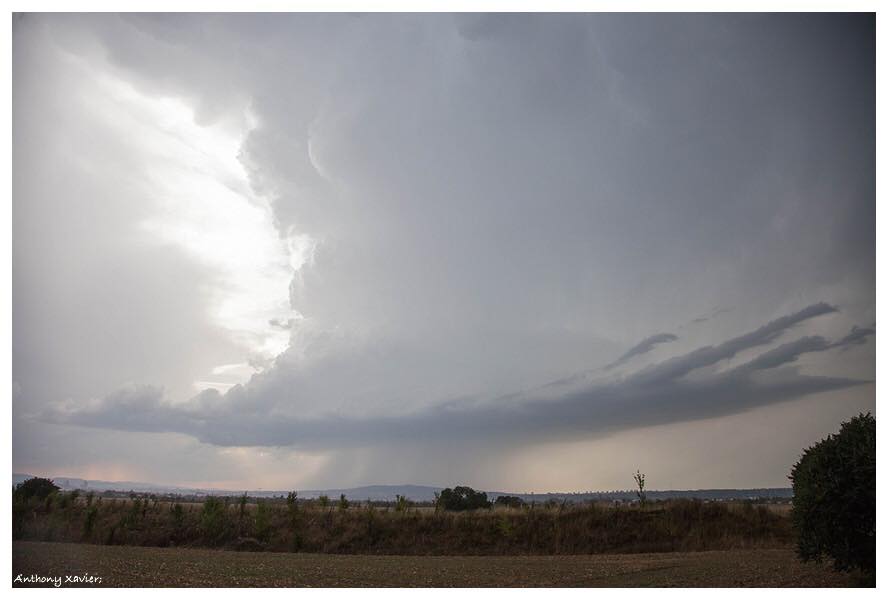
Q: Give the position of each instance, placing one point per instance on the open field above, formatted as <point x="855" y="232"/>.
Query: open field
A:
<point x="133" y="566"/>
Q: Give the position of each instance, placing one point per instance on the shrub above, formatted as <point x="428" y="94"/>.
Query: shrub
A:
<point x="89" y="523"/>
<point x="462" y="498"/>
<point x="262" y="527"/>
<point x="36" y="487"/>
<point x="19" y="513"/>
<point x="242" y="507"/>
<point x="343" y="502"/>
<point x="212" y="519"/>
<point x="178" y="517"/>
<point x="294" y="522"/>
<point x="834" y="497"/>
<point x="510" y="501"/>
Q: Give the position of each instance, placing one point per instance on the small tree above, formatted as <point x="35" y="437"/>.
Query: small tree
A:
<point x="178" y="514"/>
<point x="36" y="487"/>
<point x="89" y="523"/>
<point x="242" y="507"/>
<point x="639" y="482"/>
<point x="343" y="502"/>
<point x="324" y="500"/>
<point x="295" y="522"/>
<point x="462" y="498"/>
<point x="834" y="497"/>
<point x="263" y="522"/>
<point x="212" y="519"/>
<point x="510" y="501"/>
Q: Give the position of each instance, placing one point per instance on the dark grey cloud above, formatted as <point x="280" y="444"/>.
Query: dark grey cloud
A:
<point x="679" y="366"/>
<point x="858" y="336"/>
<point x="644" y="346"/>
<point x="716" y="312"/>
<point x="655" y="395"/>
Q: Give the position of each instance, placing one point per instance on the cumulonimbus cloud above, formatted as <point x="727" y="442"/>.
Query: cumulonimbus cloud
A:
<point x="658" y="394"/>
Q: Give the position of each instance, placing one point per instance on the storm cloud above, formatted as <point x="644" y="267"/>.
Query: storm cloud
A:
<point x="645" y="345"/>
<point x="656" y="395"/>
<point x="272" y="239"/>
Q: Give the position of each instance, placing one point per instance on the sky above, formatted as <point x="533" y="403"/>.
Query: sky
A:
<point x="518" y="252"/>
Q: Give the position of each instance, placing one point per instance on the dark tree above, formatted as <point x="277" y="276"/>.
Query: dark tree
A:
<point x="462" y="498"/>
<point x="834" y="497"/>
<point x="36" y="487"/>
<point x="512" y="501"/>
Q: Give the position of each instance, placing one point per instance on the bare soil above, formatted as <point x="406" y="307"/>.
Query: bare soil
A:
<point x="122" y="566"/>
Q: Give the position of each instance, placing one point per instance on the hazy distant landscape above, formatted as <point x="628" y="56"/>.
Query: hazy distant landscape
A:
<point x="419" y="493"/>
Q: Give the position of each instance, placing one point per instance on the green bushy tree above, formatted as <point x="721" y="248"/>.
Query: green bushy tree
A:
<point x="462" y="498"/>
<point x="510" y="501"/>
<point x="36" y="487"/>
<point x="834" y="497"/>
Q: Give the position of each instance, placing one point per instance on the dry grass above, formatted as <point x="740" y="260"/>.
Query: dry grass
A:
<point x="675" y="526"/>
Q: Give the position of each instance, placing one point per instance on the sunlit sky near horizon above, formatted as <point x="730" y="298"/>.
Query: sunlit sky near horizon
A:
<point x="519" y="252"/>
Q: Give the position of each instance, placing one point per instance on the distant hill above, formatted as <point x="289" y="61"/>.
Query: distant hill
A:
<point x="417" y="493"/>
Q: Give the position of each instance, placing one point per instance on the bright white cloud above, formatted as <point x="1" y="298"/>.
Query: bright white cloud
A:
<point x="203" y="205"/>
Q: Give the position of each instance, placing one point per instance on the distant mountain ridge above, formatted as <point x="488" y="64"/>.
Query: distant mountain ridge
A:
<point x="417" y="493"/>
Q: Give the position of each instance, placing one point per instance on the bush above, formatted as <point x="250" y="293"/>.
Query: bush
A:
<point x="834" y="504"/>
<point x="262" y="527"/>
<point x="36" y="487"/>
<point x="242" y="507"/>
<point x="89" y="522"/>
<point x="510" y="501"/>
<point x="213" y="519"/>
<point x="462" y="498"/>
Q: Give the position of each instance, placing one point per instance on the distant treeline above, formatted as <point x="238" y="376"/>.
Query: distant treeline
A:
<point x="342" y="526"/>
<point x="630" y="495"/>
<point x="415" y="493"/>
